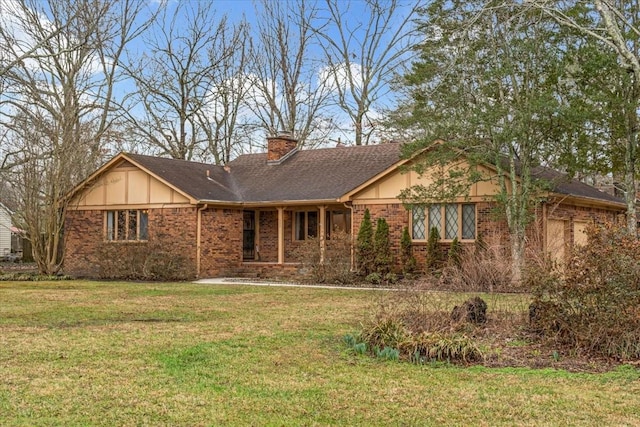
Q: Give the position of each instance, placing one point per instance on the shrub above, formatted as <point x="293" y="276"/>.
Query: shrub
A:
<point x="354" y="344"/>
<point x="373" y="278"/>
<point x="418" y="331"/>
<point x="433" y="256"/>
<point x="365" y="255"/>
<point x="143" y="261"/>
<point x="336" y="267"/>
<point x="407" y="259"/>
<point x="382" y="248"/>
<point x="593" y="306"/>
<point x="454" y="257"/>
<point x="480" y="269"/>
<point x="385" y="332"/>
<point x="387" y="353"/>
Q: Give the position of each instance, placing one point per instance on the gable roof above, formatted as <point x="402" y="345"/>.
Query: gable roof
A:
<point x="326" y="174"/>
<point x="200" y="181"/>
<point x="321" y="174"/>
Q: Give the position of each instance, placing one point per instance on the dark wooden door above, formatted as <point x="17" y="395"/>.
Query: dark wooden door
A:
<point x="249" y="236"/>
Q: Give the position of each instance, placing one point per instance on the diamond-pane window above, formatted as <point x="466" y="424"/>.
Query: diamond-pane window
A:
<point x="417" y="220"/>
<point x="468" y="221"/>
<point x="451" y="221"/>
<point x="435" y="218"/>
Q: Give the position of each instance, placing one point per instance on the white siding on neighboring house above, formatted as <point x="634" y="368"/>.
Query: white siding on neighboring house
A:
<point x="5" y="231"/>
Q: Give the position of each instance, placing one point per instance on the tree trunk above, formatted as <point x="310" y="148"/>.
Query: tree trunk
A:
<point x="517" y="257"/>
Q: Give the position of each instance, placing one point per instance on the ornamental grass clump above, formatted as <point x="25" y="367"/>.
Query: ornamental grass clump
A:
<point x="420" y="331"/>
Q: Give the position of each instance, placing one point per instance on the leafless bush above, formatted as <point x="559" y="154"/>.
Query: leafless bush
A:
<point x="593" y="305"/>
<point x="336" y="267"/>
<point x="479" y="270"/>
<point x="143" y="261"/>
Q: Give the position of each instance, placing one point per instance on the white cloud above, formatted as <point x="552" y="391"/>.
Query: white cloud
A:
<point x="338" y="76"/>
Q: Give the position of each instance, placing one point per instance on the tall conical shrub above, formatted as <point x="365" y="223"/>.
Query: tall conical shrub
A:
<point x="382" y="247"/>
<point x="407" y="259"/>
<point x="364" y="246"/>
<point x="455" y="253"/>
<point x="434" y="257"/>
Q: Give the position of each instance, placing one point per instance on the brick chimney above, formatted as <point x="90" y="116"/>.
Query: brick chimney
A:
<point x="280" y="147"/>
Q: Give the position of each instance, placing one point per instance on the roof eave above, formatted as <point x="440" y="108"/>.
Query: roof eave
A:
<point x="268" y="203"/>
<point x="589" y="201"/>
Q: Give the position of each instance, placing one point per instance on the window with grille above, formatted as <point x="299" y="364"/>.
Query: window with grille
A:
<point x="451" y="220"/>
<point x="468" y="221"/>
<point x="127" y="225"/>
<point x="418" y="224"/>
<point x="435" y="218"/>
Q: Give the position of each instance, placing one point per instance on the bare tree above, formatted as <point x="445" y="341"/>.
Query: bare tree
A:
<point x="190" y="59"/>
<point x="225" y="119"/>
<point x="363" y="56"/>
<point x="57" y="106"/>
<point x="15" y="48"/>
<point x="289" y="93"/>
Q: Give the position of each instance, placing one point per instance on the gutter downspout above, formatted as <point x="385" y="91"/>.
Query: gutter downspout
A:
<point x="349" y="205"/>
<point x="199" y="238"/>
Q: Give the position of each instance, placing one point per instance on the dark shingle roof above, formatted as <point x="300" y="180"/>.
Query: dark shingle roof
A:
<point x="560" y="183"/>
<point x="191" y="177"/>
<point x="321" y="174"/>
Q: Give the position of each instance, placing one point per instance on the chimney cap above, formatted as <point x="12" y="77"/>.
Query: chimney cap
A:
<point x="284" y="134"/>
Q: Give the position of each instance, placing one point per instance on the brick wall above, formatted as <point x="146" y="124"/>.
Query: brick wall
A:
<point x="269" y="237"/>
<point x="221" y="242"/>
<point x="571" y="214"/>
<point x="268" y="248"/>
<point x="397" y="218"/>
<point x="174" y="229"/>
<point x="83" y="235"/>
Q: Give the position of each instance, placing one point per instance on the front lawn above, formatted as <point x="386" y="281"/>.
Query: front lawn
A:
<point x="93" y="353"/>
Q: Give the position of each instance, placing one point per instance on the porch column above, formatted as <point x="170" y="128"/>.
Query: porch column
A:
<point x="323" y="217"/>
<point x="280" y="235"/>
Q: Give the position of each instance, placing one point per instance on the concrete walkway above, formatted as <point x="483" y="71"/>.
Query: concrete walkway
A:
<point x="253" y="282"/>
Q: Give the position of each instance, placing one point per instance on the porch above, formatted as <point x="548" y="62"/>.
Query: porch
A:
<point x="272" y="236"/>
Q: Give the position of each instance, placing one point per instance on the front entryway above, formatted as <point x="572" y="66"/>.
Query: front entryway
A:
<point x="249" y="236"/>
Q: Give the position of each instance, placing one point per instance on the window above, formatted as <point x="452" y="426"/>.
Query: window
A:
<point x="451" y="220"/>
<point x="338" y="221"/>
<point x="127" y="225"/>
<point x="306" y="225"/>
<point x="418" y="223"/>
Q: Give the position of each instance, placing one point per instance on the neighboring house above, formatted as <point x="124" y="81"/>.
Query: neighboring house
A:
<point x="5" y="231"/>
<point x="249" y="216"/>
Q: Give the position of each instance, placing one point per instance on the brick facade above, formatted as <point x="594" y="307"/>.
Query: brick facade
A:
<point x="221" y="242"/>
<point x="222" y="230"/>
<point x="174" y="229"/>
<point x="83" y="236"/>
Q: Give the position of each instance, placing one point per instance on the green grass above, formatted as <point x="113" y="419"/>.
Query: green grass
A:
<point x="89" y="353"/>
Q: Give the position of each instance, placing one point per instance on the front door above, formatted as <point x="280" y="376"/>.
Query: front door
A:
<point x="249" y="236"/>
